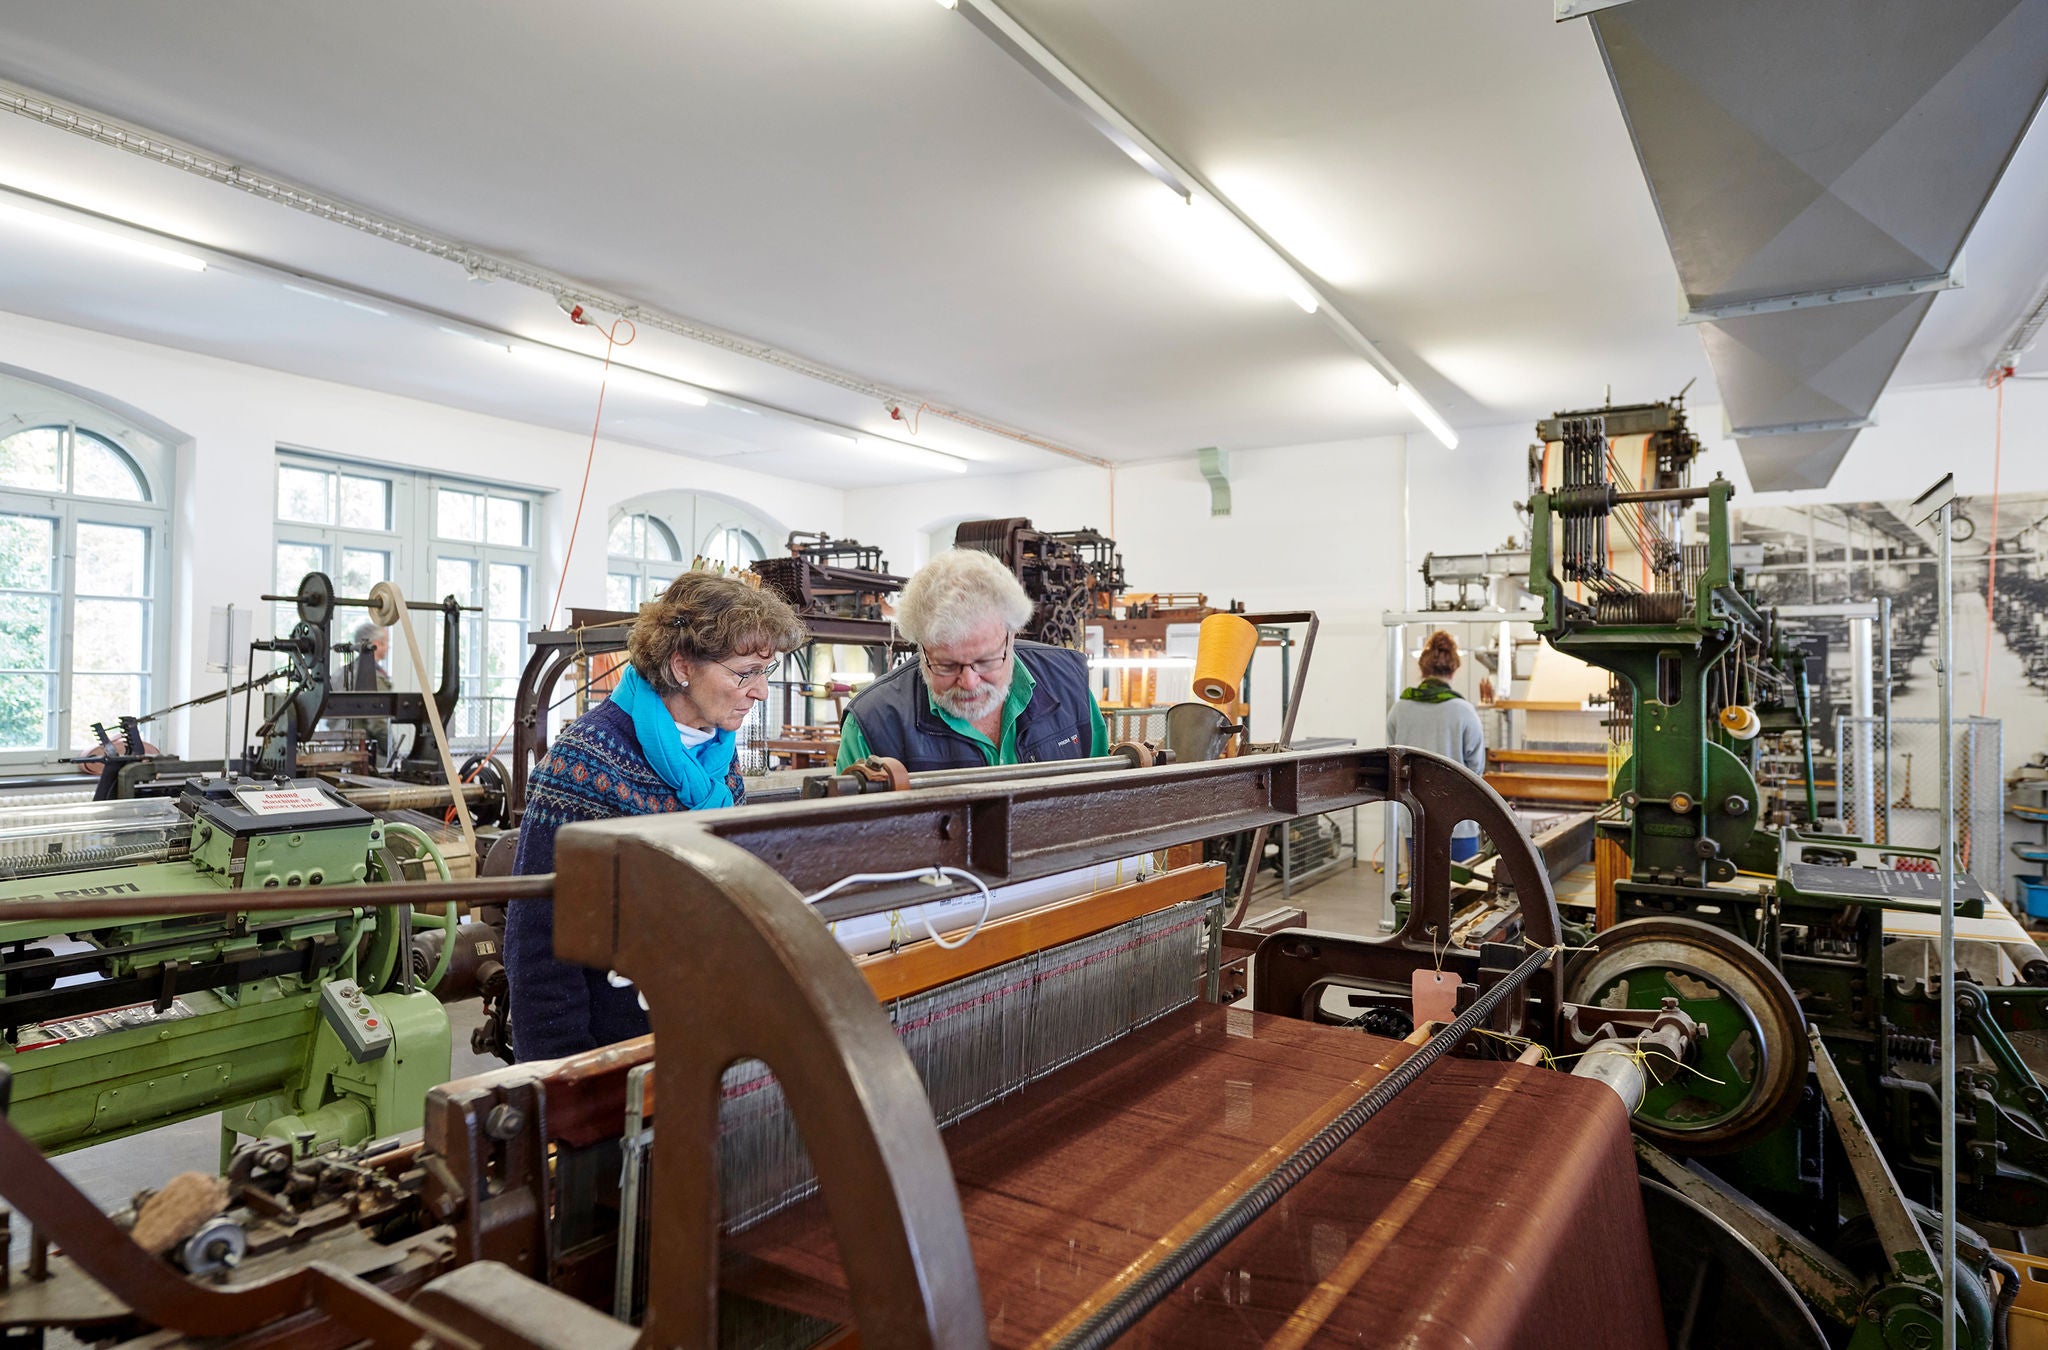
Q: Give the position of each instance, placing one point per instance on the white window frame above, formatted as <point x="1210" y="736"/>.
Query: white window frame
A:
<point x="417" y="549"/>
<point x="152" y="464"/>
<point x="650" y="574"/>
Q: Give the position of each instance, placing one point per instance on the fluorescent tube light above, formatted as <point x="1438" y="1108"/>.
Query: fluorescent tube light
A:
<point x="949" y="4"/>
<point x="342" y="300"/>
<point x="1427" y="415"/>
<point x="1140" y="662"/>
<point x="589" y="369"/>
<point x="91" y="235"/>
<point x="937" y="459"/>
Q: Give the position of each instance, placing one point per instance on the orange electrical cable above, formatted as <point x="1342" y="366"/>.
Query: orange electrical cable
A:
<point x="1991" y="577"/>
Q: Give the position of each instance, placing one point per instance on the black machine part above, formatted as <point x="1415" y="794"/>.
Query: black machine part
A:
<point x="1716" y="1287"/>
<point x="308" y="652"/>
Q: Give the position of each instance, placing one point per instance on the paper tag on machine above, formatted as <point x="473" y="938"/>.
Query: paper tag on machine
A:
<point x="282" y="801"/>
<point x="1435" y="994"/>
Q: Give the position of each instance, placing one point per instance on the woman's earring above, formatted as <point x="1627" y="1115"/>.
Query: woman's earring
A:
<point x="686" y="684"/>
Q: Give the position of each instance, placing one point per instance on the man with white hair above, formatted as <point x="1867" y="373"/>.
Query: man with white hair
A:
<point x="977" y="694"/>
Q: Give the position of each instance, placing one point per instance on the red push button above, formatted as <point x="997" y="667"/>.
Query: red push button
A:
<point x="372" y="1022"/>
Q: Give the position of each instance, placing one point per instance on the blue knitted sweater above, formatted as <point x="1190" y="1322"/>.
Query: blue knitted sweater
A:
<point x="595" y="770"/>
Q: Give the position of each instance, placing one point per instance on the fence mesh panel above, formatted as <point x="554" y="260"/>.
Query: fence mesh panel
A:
<point x="1891" y="791"/>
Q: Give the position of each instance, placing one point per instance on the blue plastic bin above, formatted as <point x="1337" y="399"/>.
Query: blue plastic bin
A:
<point x="2034" y="891"/>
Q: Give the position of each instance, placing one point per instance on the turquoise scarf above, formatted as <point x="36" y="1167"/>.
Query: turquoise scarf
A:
<point x="697" y="773"/>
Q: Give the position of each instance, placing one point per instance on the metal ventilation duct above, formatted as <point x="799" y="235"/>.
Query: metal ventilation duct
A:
<point x="1817" y="166"/>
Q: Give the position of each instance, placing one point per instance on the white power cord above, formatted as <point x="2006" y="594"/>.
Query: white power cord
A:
<point x="934" y="875"/>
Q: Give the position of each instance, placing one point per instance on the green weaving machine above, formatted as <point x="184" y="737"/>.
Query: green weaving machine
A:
<point x="307" y="1026"/>
<point x="1711" y="884"/>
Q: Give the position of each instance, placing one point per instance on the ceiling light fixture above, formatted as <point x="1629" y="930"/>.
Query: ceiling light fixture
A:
<point x="1426" y="415"/>
<point x="75" y="232"/>
<point x="934" y="458"/>
<point x="1016" y="42"/>
<point x="590" y="369"/>
<point x="340" y="300"/>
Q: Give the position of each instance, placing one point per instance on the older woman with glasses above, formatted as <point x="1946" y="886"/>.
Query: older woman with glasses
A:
<point x="698" y="659"/>
<point x="977" y="694"/>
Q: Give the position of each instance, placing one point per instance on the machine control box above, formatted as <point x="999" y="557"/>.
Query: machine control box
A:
<point x="355" y="1019"/>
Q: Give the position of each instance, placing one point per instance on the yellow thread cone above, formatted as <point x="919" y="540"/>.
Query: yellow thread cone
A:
<point x="1224" y="650"/>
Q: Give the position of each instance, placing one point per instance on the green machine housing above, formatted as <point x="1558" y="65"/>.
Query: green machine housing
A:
<point x="302" y="1025"/>
<point x="1705" y="667"/>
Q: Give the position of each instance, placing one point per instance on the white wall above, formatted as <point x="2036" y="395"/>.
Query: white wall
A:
<point x="1311" y="527"/>
<point x="236" y="416"/>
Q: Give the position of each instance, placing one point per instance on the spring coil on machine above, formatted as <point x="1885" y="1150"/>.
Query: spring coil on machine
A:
<point x="1900" y="1048"/>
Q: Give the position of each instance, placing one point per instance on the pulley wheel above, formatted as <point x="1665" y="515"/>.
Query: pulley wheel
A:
<point x="1717" y="1289"/>
<point x="488" y="774"/>
<point x="1747" y="1076"/>
<point x="316" y="598"/>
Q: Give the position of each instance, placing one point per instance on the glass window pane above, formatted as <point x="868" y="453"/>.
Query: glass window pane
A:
<point x="734" y="547"/>
<point x="99" y="470"/>
<point x="621" y="590"/>
<point x="28" y="552"/>
<point x="294" y="560"/>
<point x="365" y="502"/>
<point x="305" y="495"/>
<point x="362" y="568"/>
<point x="508" y="591"/>
<point x="112" y="560"/>
<point x="456" y="577"/>
<point x="458" y="515"/>
<point x="661" y="542"/>
<point x="25" y="712"/>
<point x="101" y="698"/>
<point x="472" y="644"/>
<point x="621" y="542"/>
<point x="26" y="628"/>
<point x="508" y="521"/>
<point x="109" y="635"/>
<point x="508" y="650"/>
<point x="33" y="459"/>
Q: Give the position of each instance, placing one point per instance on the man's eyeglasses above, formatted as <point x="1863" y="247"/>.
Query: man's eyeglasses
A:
<point x="988" y="667"/>
<point x="762" y="674"/>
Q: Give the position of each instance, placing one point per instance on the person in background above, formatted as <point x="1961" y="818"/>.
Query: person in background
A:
<point x="977" y="694"/>
<point x="699" y="658"/>
<point x="368" y="671"/>
<point x="1433" y="716"/>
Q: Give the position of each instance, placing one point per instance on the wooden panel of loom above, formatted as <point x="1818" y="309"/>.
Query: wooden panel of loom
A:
<point x="1492" y="1205"/>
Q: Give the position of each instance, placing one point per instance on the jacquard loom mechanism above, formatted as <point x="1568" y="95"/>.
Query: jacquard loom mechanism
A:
<point x="1688" y="644"/>
<point x="303" y="1024"/>
<point x="1046" y="1136"/>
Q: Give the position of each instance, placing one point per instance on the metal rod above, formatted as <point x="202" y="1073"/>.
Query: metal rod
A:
<point x="1123" y="1310"/>
<point x="483" y="891"/>
<point x="1884" y="660"/>
<point x="1677" y="494"/>
<point x="1946" y="688"/>
<point x="227" y="716"/>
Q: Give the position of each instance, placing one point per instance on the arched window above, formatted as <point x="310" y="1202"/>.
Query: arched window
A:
<point x="644" y="557"/>
<point x="82" y="530"/>
<point x="732" y="545"/>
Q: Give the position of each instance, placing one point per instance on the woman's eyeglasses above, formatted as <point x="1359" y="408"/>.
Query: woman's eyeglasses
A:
<point x="762" y="674"/>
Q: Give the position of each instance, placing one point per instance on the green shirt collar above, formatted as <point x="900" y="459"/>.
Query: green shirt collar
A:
<point x="1021" y="686"/>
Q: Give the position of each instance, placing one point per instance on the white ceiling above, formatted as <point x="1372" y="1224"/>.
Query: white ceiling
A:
<point x="873" y="185"/>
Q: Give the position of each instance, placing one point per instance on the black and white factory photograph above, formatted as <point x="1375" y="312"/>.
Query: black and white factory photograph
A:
<point x="1023" y="675"/>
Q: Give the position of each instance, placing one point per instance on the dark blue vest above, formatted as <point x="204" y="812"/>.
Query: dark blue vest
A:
<point x="895" y="714"/>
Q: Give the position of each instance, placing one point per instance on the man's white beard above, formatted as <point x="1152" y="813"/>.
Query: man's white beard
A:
<point x="969" y="707"/>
